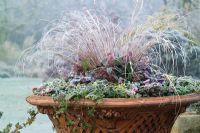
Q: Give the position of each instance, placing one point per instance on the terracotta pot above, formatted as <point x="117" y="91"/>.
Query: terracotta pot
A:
<point x="117" y="115"/>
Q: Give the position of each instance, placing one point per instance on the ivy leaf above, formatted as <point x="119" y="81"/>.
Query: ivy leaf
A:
<point x="104" y="62"/>
<point x="7" y="129"/>
<point x="70" y="122"/>
<point x="18" y="126"/>
<point x="109" y="70"/>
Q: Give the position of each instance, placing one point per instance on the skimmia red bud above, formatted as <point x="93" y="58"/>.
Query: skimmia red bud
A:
<point x="110" y="58"/>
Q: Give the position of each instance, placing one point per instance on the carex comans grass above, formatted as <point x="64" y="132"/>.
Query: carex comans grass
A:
<point x="99" y="52"/>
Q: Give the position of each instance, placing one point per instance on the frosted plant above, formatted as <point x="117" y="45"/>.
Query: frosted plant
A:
<point x="87" y="41"/>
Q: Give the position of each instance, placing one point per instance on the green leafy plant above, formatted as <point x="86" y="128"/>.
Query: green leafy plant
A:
<point x="99" y="89"/>
<point x="18" y="126"/>
<point x="195" y="107"/>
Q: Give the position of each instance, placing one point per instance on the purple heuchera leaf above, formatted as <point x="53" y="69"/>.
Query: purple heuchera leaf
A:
<point x="34" y="90"/>
<point x="134" y="89"/>
<point x="147" y="74"/>
<point x="146" y="81"/>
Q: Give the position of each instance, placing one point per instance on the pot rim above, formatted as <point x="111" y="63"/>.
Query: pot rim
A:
<point x="120" y="102"/>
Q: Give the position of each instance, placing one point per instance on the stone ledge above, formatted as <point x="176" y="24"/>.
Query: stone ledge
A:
<point x="188" y="122"/>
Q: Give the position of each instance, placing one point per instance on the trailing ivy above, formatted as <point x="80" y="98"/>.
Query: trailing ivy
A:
<point x="18" y="126"/>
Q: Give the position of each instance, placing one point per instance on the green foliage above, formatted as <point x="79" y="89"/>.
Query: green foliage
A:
<point x="189" y="5"/>
<point x="95" y="91"/>
<point x="57" y="84"/>
<point x="91" y="111"/>
<point x="19" y="126"/>
<point x="70" y="122"/>
<point x="183" y="5"/>
<point x="63" y="91"/>
<point x="7" y="129"/>
<point x="85" y="64"/>
<point x="196" y="107"/>
<point x="62" y="106"/>
<point x="185" y="85"/>
<point x="171" y="86"/>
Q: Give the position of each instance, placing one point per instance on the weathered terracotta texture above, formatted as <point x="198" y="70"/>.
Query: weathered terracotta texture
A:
<point x="143" y="115"/>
